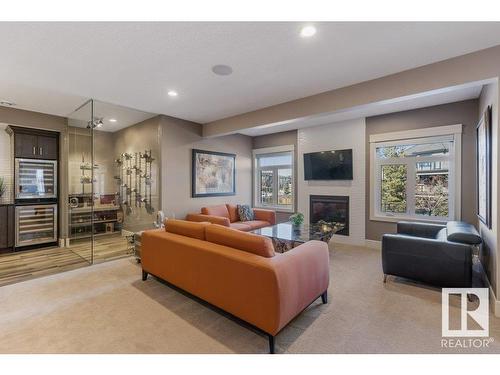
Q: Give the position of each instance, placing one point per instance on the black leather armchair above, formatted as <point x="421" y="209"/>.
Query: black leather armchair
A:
<point x="439" y="255"/>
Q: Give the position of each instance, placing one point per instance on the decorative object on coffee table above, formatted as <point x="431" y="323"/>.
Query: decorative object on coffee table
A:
<point x="213" y="174"/>
<point x="483" y="170"/>
<point x="286" y="236"/>
<point x="297" y="218"/>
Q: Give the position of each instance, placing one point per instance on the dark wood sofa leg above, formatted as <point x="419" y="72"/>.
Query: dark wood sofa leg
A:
<point x="144" y="275"/>
<point x="324" y="297"/>
<point x="271" y="344"/>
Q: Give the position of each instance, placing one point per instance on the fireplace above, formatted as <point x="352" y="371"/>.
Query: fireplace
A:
<point x="330" y="209"/>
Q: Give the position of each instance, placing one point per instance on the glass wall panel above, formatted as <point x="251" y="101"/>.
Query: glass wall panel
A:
<point x="113" y="179"/>
<point x="126" y="187"/>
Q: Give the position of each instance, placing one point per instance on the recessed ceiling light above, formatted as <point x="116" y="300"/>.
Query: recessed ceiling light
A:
<point x="172" y="93"/>
<point x="99" y="125"/>
<point x="112" y="120"/>
<point x="222" y="70"/>
<point x="307" y="31"/>
<point x="7" y="103"/>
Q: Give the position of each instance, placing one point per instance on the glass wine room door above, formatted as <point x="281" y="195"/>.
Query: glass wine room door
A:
<point x="110" y="240"/>
<point x="80" y="177"/>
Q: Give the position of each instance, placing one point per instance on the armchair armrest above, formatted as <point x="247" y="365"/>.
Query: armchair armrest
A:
<point x="302" y="275"/>
<point x="265" y="215"/>
<point x="426" y="230"/>
<point x="209" y="218"/>
<point x="432" y="261"/>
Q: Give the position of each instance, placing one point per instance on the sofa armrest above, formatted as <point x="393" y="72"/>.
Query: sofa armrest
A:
<point x="209" y="218"/>
<point x="415" y="229"/>
<point x="302" y="276"/>
<point x="265" y="215"/>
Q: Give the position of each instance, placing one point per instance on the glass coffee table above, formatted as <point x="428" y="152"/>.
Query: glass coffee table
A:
<point x="286" y="236"/>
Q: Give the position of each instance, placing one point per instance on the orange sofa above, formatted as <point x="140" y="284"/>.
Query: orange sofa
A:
<point x="238" y="272"/>
<point x="227" y="215"/>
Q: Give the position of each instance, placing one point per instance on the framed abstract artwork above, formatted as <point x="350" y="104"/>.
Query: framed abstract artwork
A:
<point x="483" y="168"/>
<point x="213" y="174"/>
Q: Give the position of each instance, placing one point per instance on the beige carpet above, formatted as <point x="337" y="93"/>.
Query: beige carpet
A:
<point x="107" y="309"/>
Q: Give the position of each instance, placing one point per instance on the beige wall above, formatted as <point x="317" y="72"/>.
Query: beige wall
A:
<point x="464" y="113"/>
<point x="472" y="67"/>
<point x="14" y="116"/>
<point x="491" y="246"/>
<point x="274" y="140"/>
<point x="178" y="138"/>
<point x="6" y="164"/>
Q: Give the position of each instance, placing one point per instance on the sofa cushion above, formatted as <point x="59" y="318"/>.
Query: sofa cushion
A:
<point x="186" y="228"/>
<point x="256" y="224"/>
<point x="458" y="231"/>
<point x="208" y="218"/>
<point x="236" y="239"/>
<point x="245" y="212"/>
<point x="219" y="210"/>
<point x="240" y="226"/>
<point x="232" y="209"/>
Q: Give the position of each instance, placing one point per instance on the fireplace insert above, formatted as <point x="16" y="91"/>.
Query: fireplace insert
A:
<point x="330" y="209"/>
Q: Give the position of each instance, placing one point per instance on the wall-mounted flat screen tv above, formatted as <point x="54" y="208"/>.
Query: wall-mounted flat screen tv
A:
<point x="328" y="165"/>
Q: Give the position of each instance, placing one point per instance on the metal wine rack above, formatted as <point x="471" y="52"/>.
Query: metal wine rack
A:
<point x="134" y="180"/>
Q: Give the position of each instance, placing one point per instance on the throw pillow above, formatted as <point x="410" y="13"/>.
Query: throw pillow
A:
<point x="245" y="212"/>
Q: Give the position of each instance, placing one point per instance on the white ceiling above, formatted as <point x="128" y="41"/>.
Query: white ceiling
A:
<point x="54" y="67"/>
<point x="425" y="99"/>
<point x="104" y="111"/>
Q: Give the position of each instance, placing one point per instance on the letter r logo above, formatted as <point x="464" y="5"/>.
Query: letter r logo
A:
<point x="479" y="315"/>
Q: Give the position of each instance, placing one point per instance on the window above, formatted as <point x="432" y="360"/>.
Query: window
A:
<point x="274" y="186"/>
<point x="417" y="178"/>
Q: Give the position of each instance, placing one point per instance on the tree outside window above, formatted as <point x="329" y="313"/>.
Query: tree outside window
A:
<point x="275" y="180"/>
<point x="413" y="178"/>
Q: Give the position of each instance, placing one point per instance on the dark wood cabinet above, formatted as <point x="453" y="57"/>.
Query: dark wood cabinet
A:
<point x="34" y="143"/>
<point x="6" y="228"/>
<point x="47" y="147"/>
<point x="25" y="145"/>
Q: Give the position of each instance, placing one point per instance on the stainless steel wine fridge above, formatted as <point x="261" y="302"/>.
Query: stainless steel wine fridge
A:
<point x="36" y="224"/>
<point x="36" y="208"/>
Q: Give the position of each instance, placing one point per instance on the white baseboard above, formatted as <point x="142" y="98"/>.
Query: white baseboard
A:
<point x="494" y="302"/>
<point x="373" y="244"/>
<point x="347" y="240"/>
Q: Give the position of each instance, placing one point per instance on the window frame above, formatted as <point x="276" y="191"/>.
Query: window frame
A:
<point x="257" y="180"/>
<point x="419" y="136"/>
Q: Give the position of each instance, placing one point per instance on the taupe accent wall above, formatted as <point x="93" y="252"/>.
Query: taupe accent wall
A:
<point x="489" y="249"/>
<point x="464" y="113"/>
<point x="274" y="140"/>
<point x="178" y="138"/>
